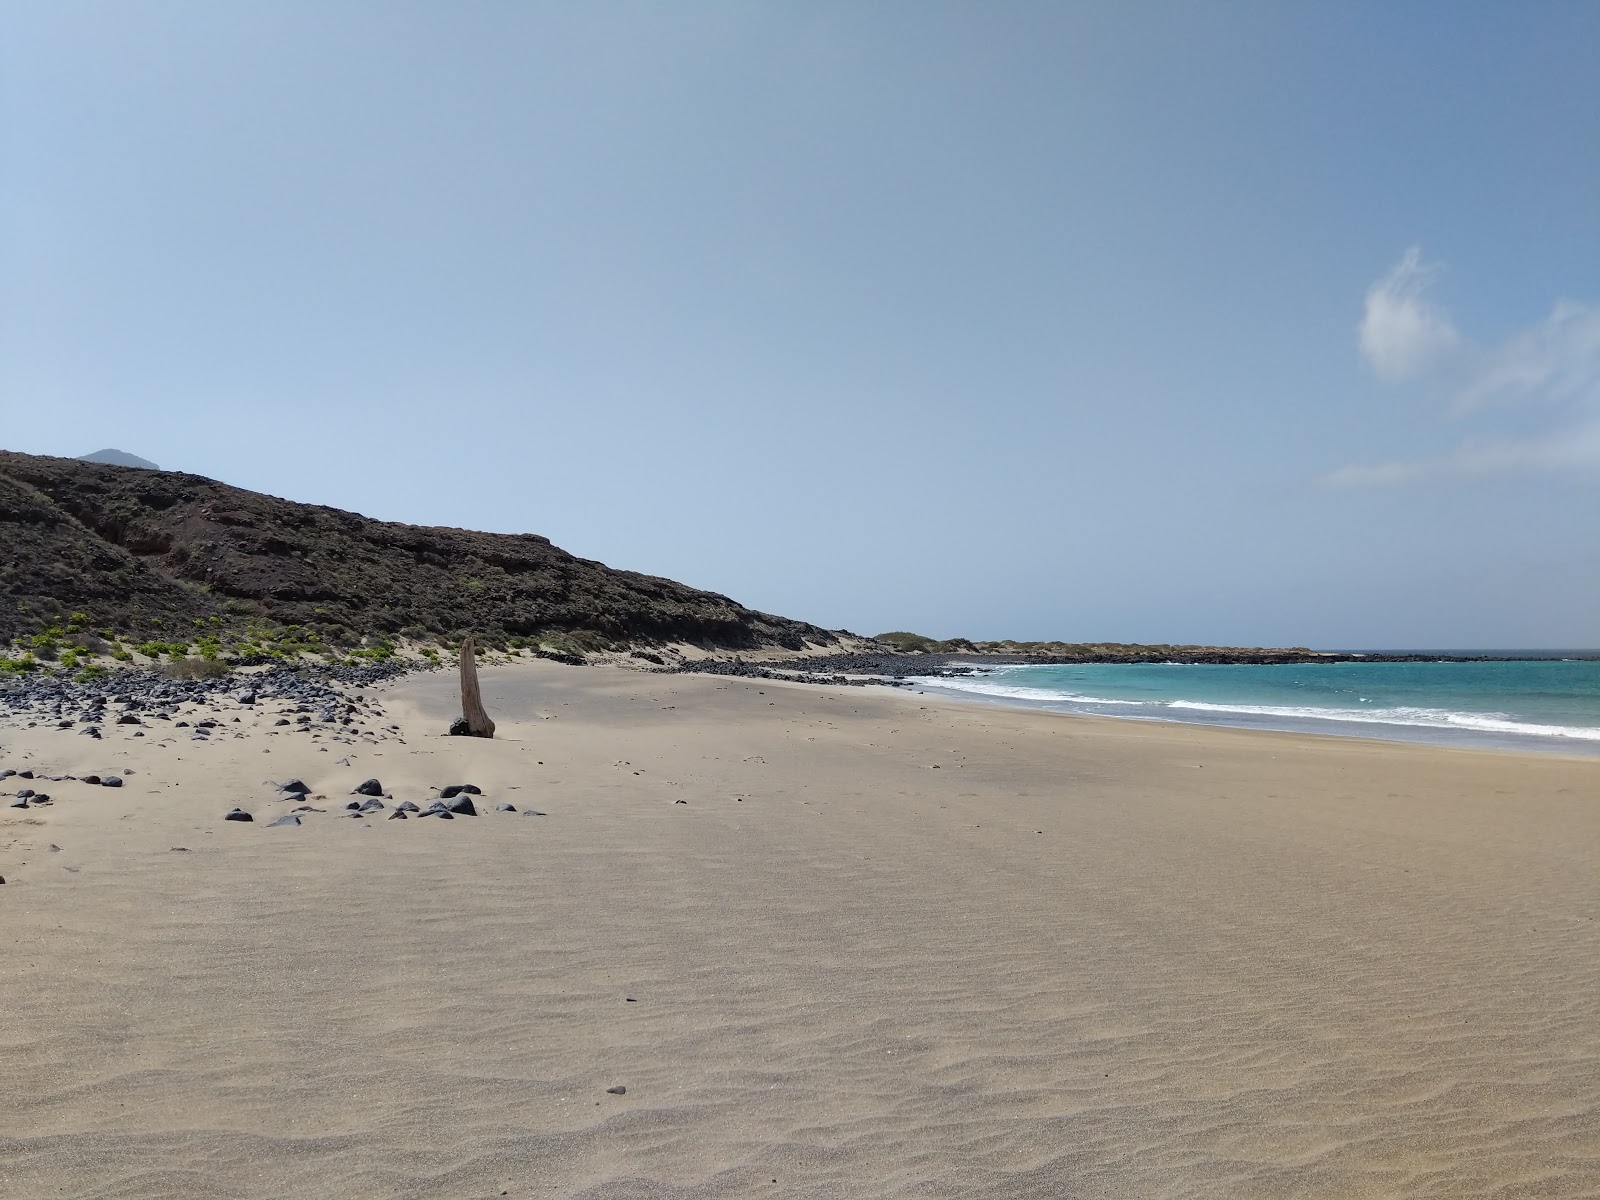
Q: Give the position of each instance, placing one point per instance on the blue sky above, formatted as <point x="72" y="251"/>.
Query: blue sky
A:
<point x="1246" y="323"/>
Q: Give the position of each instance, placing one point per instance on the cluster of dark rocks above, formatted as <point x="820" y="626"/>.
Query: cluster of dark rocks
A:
<point x="309" y="701"/>
<point x="454" y="800"/>
<point x="27" y="796"/>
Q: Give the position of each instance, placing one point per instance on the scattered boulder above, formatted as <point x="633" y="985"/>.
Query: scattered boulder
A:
<point x="371" y="805"/>
<point x="398" y="814"/>
<point x="456" y="789"/>
<point x="619" y="1090"/>
<point x="406" y="806"/>
<point x="127" y="719"/>
<point x="89" y="731"/>
<point x="92" y="780"/>
<point x="505" y="808"/>
<point x="111" y="781"/>
<point x="294" y="785"/>
<point x="367" y="787"/>
<point x="462" y="806"/>
<point x="237" y="814"/>
<point x="286" y="819"/>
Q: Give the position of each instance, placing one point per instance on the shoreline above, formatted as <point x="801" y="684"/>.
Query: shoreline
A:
<point x="1575" y="749"/>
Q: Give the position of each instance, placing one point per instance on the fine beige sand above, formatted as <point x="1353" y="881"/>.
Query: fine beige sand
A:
<point x="885" y="946"/>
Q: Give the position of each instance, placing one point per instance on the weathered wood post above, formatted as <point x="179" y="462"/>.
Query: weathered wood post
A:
<point x="474" y="721"/>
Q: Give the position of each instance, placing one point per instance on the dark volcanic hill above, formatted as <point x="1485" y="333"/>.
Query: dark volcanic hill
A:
<point x="143" y="550"/>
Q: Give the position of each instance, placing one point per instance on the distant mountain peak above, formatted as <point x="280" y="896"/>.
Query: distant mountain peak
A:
<point x="118" y="458"/>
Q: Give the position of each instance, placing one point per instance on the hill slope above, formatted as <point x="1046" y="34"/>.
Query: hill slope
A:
<point x="139" y="550"/>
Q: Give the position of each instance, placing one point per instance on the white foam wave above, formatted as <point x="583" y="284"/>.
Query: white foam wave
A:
<point x="1432" y="718"/>
<point x="1427" y="718"/>
<point x="985" y="687"/>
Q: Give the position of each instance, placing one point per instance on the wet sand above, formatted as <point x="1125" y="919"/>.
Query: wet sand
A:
<point x="887" y="946"/>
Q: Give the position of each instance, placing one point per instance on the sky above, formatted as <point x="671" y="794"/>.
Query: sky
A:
<point x="1232" y="323"/>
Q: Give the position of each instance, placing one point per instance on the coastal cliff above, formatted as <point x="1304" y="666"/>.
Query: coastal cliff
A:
<point x="149" y="552"/>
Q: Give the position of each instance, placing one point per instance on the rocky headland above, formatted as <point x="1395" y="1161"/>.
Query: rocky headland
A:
<point x="158" y="556"/>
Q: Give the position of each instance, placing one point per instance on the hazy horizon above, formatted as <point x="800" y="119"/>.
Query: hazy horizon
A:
<point x="1138" y="323"/>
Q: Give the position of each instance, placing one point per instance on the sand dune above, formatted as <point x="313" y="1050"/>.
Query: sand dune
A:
<point x="888" y="946"/>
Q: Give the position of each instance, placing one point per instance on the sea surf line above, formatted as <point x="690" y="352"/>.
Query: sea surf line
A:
<point x="1542" y="704"/>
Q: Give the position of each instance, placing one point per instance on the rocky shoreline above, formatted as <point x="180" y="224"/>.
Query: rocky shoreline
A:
<point x="893" y="669"/>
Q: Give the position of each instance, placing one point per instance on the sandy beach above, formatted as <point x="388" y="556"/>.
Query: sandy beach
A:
<point x="832" y="942"/>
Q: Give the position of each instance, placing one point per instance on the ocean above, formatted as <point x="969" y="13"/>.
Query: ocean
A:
<point x="1540" y="703"/>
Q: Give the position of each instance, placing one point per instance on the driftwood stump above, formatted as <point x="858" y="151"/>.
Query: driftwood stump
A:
<point x="474" y="722"/>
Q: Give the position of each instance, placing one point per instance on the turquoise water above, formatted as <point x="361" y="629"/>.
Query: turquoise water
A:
<point x="1536" y="704"/>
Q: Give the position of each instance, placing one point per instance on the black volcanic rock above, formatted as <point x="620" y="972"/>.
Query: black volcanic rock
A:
<point x="134" y="548"/>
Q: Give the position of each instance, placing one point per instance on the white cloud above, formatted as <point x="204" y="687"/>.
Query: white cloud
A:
<point x="1555" y="362"/>
<point x="1480" y="457"/>
<point x="1547" y="375"/>
<point x="1401" y="334"/>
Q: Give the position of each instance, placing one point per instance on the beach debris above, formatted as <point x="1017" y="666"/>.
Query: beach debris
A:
<point x="618" y="1090"/>
<point x="474" y="721"/>
<point x="286" y="819"/>
<point x="367" y="787"/>
<point x="237" y="814"/>
<point x="532" y="812"/>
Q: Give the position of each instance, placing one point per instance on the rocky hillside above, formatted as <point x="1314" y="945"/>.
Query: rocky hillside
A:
<point x="143" y="552"/>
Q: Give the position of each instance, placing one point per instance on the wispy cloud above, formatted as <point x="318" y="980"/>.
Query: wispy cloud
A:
<point x="1548" y="373"/>
<point x="1401" y="334"/>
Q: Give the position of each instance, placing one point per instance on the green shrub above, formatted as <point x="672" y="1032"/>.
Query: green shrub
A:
<point x="196" y="668"/>
<point x="69" y="659"/>
<point x="92" y="671"/>
<point x="906" y="643"/>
